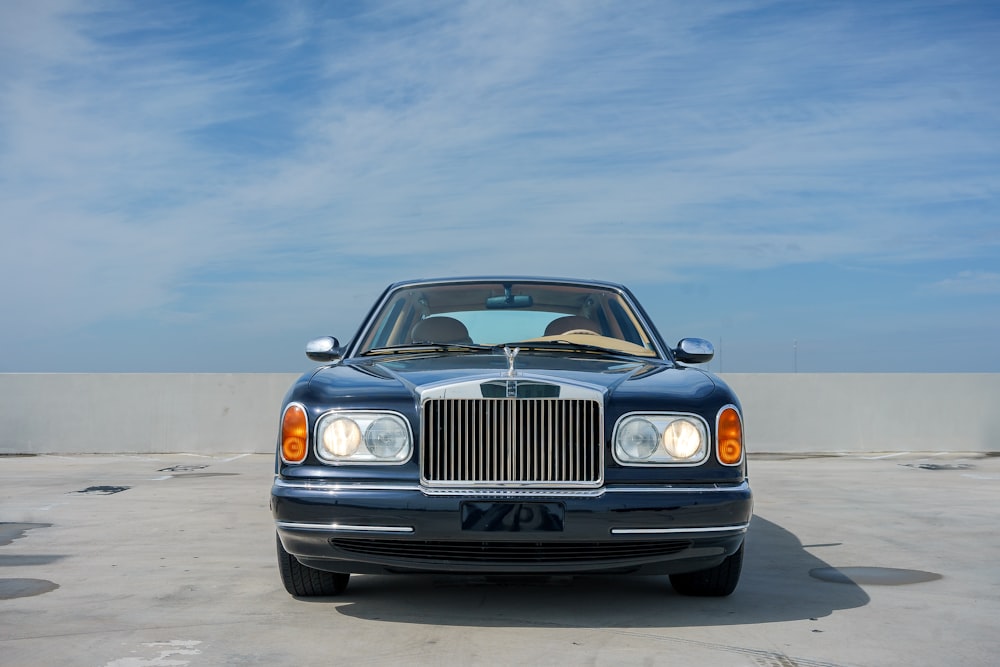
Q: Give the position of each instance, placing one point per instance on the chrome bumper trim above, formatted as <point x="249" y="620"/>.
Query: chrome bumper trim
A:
<point x="739" y="528"/>
<point x="671" y="488"/>
<point x="498" y="491"/>
<point x="334" y="487"/>
<point x="342" y="528"/>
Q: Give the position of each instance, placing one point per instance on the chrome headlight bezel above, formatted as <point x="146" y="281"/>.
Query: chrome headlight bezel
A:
<point x="663" y="423"/>
<point x="359" y="423"/>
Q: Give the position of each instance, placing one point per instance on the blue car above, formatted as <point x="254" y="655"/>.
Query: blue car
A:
<point x="510" y="426"/>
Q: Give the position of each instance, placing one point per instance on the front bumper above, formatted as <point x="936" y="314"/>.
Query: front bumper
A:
<point x="372" y="528"/>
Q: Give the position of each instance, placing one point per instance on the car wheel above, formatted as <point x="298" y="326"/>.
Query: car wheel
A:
<point x="303" y="581"/>
<point x="717" y="581"/>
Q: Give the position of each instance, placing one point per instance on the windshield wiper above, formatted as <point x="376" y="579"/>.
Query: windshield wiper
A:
<point x="434" y="347"/>
<point x="562" y="345"/>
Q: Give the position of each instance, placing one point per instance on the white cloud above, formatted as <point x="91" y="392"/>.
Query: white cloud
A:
<point x="970" y="282"/>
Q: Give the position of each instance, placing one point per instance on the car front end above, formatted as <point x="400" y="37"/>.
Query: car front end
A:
<point x="555" y="456"/>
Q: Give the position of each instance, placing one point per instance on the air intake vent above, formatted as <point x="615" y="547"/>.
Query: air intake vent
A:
<point x="520" y="553"/>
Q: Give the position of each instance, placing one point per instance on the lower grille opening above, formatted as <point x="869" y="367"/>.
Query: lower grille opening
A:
<point x="508" y="552"/>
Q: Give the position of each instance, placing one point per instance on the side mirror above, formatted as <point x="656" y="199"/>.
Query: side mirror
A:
<point x="324" y="349"/>
<point x="693" y="351"/>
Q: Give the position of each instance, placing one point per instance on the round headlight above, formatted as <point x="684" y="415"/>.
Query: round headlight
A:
<point x="682" y="439"/>
<point x="386" y="437"/>
<point x="638" y="439"/>
<point x="341" y="438"/>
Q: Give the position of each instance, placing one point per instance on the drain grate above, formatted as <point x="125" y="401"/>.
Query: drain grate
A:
<point x="939" y="466"/>
<point x="192" y="475"/>
<point x="182" y="467"/>
<point x="103" y="490"/>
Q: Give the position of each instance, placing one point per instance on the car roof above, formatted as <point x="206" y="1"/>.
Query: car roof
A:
<point x="509" y="278"/>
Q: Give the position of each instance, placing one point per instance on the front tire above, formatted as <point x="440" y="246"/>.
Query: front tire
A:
<point x="718" y="581"/>
<point x="302" y="581"/>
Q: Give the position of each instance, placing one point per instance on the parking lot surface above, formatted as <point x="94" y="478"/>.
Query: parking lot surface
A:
<point x="135" y="561"/>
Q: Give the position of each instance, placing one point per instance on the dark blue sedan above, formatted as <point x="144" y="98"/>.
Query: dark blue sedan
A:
<point x="510" y="426"/>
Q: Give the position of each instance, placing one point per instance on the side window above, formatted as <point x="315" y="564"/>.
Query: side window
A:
<point x="406" y="325"/>
<point x="381" y="338"/>
<point x="629" y="331"/>
<point x="602" y="320"/>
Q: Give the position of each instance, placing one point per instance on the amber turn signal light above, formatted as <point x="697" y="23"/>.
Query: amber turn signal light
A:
<point x="730" y="437"/>
<point x="294" y="434"/>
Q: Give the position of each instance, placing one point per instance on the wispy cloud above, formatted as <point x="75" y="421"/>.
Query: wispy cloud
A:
<point x="970" y="282"/>
<point x="178" y="160"/>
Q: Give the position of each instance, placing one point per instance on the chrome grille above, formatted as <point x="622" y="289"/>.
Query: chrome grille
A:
<point x="512" y="442"/>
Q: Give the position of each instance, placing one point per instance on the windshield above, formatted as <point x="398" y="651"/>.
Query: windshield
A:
<point x="491" y="313"/>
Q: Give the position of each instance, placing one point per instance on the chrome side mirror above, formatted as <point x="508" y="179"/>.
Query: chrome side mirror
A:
<point x="324" y="349"/>
<point x="693" y="351"/>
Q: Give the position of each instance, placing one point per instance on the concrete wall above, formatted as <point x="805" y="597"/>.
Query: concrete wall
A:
<point x="216" y="413"/>
<point x="142" y="413"/>
<point x="870" y="412"/>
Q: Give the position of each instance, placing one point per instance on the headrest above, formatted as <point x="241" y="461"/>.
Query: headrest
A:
<point x="439" y="330"/>
<point x="561" y="325"/>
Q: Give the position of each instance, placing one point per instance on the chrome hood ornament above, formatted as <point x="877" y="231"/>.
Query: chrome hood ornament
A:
<point x="511" y="355"/>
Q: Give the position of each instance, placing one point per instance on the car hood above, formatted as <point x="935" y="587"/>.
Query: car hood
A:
<point x="361" y="379"/>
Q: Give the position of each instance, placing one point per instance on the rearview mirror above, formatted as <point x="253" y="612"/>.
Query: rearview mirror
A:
<point x="509" y="301"/>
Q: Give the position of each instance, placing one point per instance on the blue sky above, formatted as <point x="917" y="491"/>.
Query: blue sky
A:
<point x="203" y="186"/>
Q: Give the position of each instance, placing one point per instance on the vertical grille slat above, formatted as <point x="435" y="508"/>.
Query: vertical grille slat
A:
<point x="512" y="441"/>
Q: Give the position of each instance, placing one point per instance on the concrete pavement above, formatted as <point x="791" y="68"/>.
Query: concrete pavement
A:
<point x="157" y="560"/>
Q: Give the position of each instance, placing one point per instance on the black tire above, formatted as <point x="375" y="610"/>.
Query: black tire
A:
<point x="302" y="581"/>
<point x="718" y="581"/>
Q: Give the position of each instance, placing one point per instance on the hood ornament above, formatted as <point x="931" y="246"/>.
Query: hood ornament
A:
<point x="511" y="355"/>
